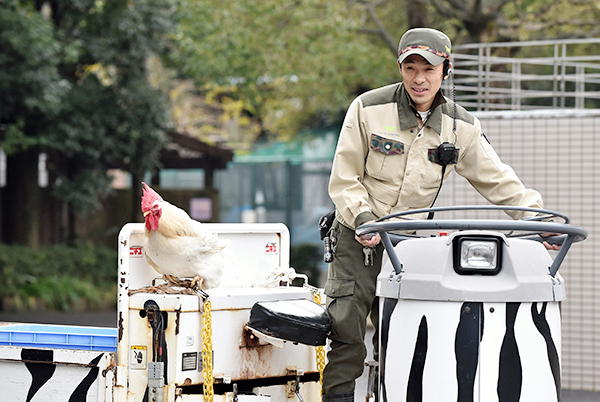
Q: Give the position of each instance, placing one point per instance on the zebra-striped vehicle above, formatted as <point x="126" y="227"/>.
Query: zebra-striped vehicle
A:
<point x="472" y="314"/>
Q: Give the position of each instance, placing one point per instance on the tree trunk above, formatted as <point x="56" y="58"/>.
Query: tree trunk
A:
<point x="21" y="200"/>
<point x="417" y="14"/>
<point x="71" y="225"/>
<point x="136" y="197"/>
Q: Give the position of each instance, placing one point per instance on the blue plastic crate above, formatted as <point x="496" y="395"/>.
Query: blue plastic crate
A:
<point x="59" y="337"/>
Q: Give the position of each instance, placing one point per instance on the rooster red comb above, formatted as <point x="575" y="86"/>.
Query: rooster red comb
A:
<point x="149" y="196"/>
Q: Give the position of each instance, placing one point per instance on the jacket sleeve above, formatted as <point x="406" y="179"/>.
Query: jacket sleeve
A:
<point x="345" y="184"/>
<point x="493" y="179"/>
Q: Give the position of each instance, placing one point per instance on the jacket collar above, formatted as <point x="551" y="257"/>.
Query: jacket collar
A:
<point x="407" y="112"/>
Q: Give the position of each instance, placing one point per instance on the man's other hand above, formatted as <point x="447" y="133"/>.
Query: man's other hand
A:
<point x="549" y="246"/>
<point x="369" y="239"/>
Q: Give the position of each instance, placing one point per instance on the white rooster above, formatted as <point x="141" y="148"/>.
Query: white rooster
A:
<point x="178" y="246"/>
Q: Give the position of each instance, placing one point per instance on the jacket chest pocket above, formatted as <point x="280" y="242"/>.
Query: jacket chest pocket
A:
<point x="385" y="157"/>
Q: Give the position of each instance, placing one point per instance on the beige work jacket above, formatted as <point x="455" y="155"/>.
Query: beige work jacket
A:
<point x="385" y="164"/>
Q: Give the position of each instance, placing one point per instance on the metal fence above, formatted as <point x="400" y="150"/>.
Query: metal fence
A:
<point x="527" y="75"/>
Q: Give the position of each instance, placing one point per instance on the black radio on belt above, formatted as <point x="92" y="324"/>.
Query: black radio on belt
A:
<point x="325" y="223"/>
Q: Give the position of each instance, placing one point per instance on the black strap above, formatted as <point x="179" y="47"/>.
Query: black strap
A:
<point x="444" y="160"/>
<point x="430" y="216"/>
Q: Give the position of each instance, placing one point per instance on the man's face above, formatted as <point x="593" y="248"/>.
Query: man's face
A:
<point x="422" y="80"/>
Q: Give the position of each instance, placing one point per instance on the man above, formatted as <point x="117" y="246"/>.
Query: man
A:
<point x="387" y="160"/>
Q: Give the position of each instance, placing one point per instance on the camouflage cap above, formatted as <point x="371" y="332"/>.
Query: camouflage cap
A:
<point x="432" y="44"/>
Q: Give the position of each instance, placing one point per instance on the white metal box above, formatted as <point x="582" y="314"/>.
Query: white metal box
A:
<point x="254" y="253"/>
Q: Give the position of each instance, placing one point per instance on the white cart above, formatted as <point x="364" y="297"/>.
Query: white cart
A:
<point x="473" y="315"/>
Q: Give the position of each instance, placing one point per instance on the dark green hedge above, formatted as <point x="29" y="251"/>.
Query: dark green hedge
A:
<point x="85" y="277"/>
<point x="305" y="258"/>
<point x="57" y="277"/>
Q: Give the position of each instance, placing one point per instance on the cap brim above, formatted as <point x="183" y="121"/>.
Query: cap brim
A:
<point x="433" y="59"/>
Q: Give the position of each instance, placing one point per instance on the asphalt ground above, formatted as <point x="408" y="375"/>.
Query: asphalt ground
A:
<point x="109" y="319"/>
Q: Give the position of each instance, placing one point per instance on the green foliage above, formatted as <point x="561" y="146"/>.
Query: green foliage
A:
<point x="293" y="64"/>
<point x="555" y="19"/>
<point x="306" y="258"/>
<point x="123" y="125"/>
<point x="113" y="115"/>
<point x="30" y="83"/>
<point x="58" y="277"/>
<point x="74" y="83"/>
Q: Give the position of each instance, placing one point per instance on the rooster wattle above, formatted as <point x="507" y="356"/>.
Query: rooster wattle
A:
<point x="178" y="246"/>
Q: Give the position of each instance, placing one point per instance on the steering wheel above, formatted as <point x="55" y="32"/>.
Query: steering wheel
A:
<point x="568" y="234"/>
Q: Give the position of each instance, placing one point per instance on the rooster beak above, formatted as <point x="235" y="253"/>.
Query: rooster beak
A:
<point x="146" y="213"/>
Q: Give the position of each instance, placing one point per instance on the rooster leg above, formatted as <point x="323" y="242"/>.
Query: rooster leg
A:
<point x="198" y="281"/>
<point x="170" y="279"/>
